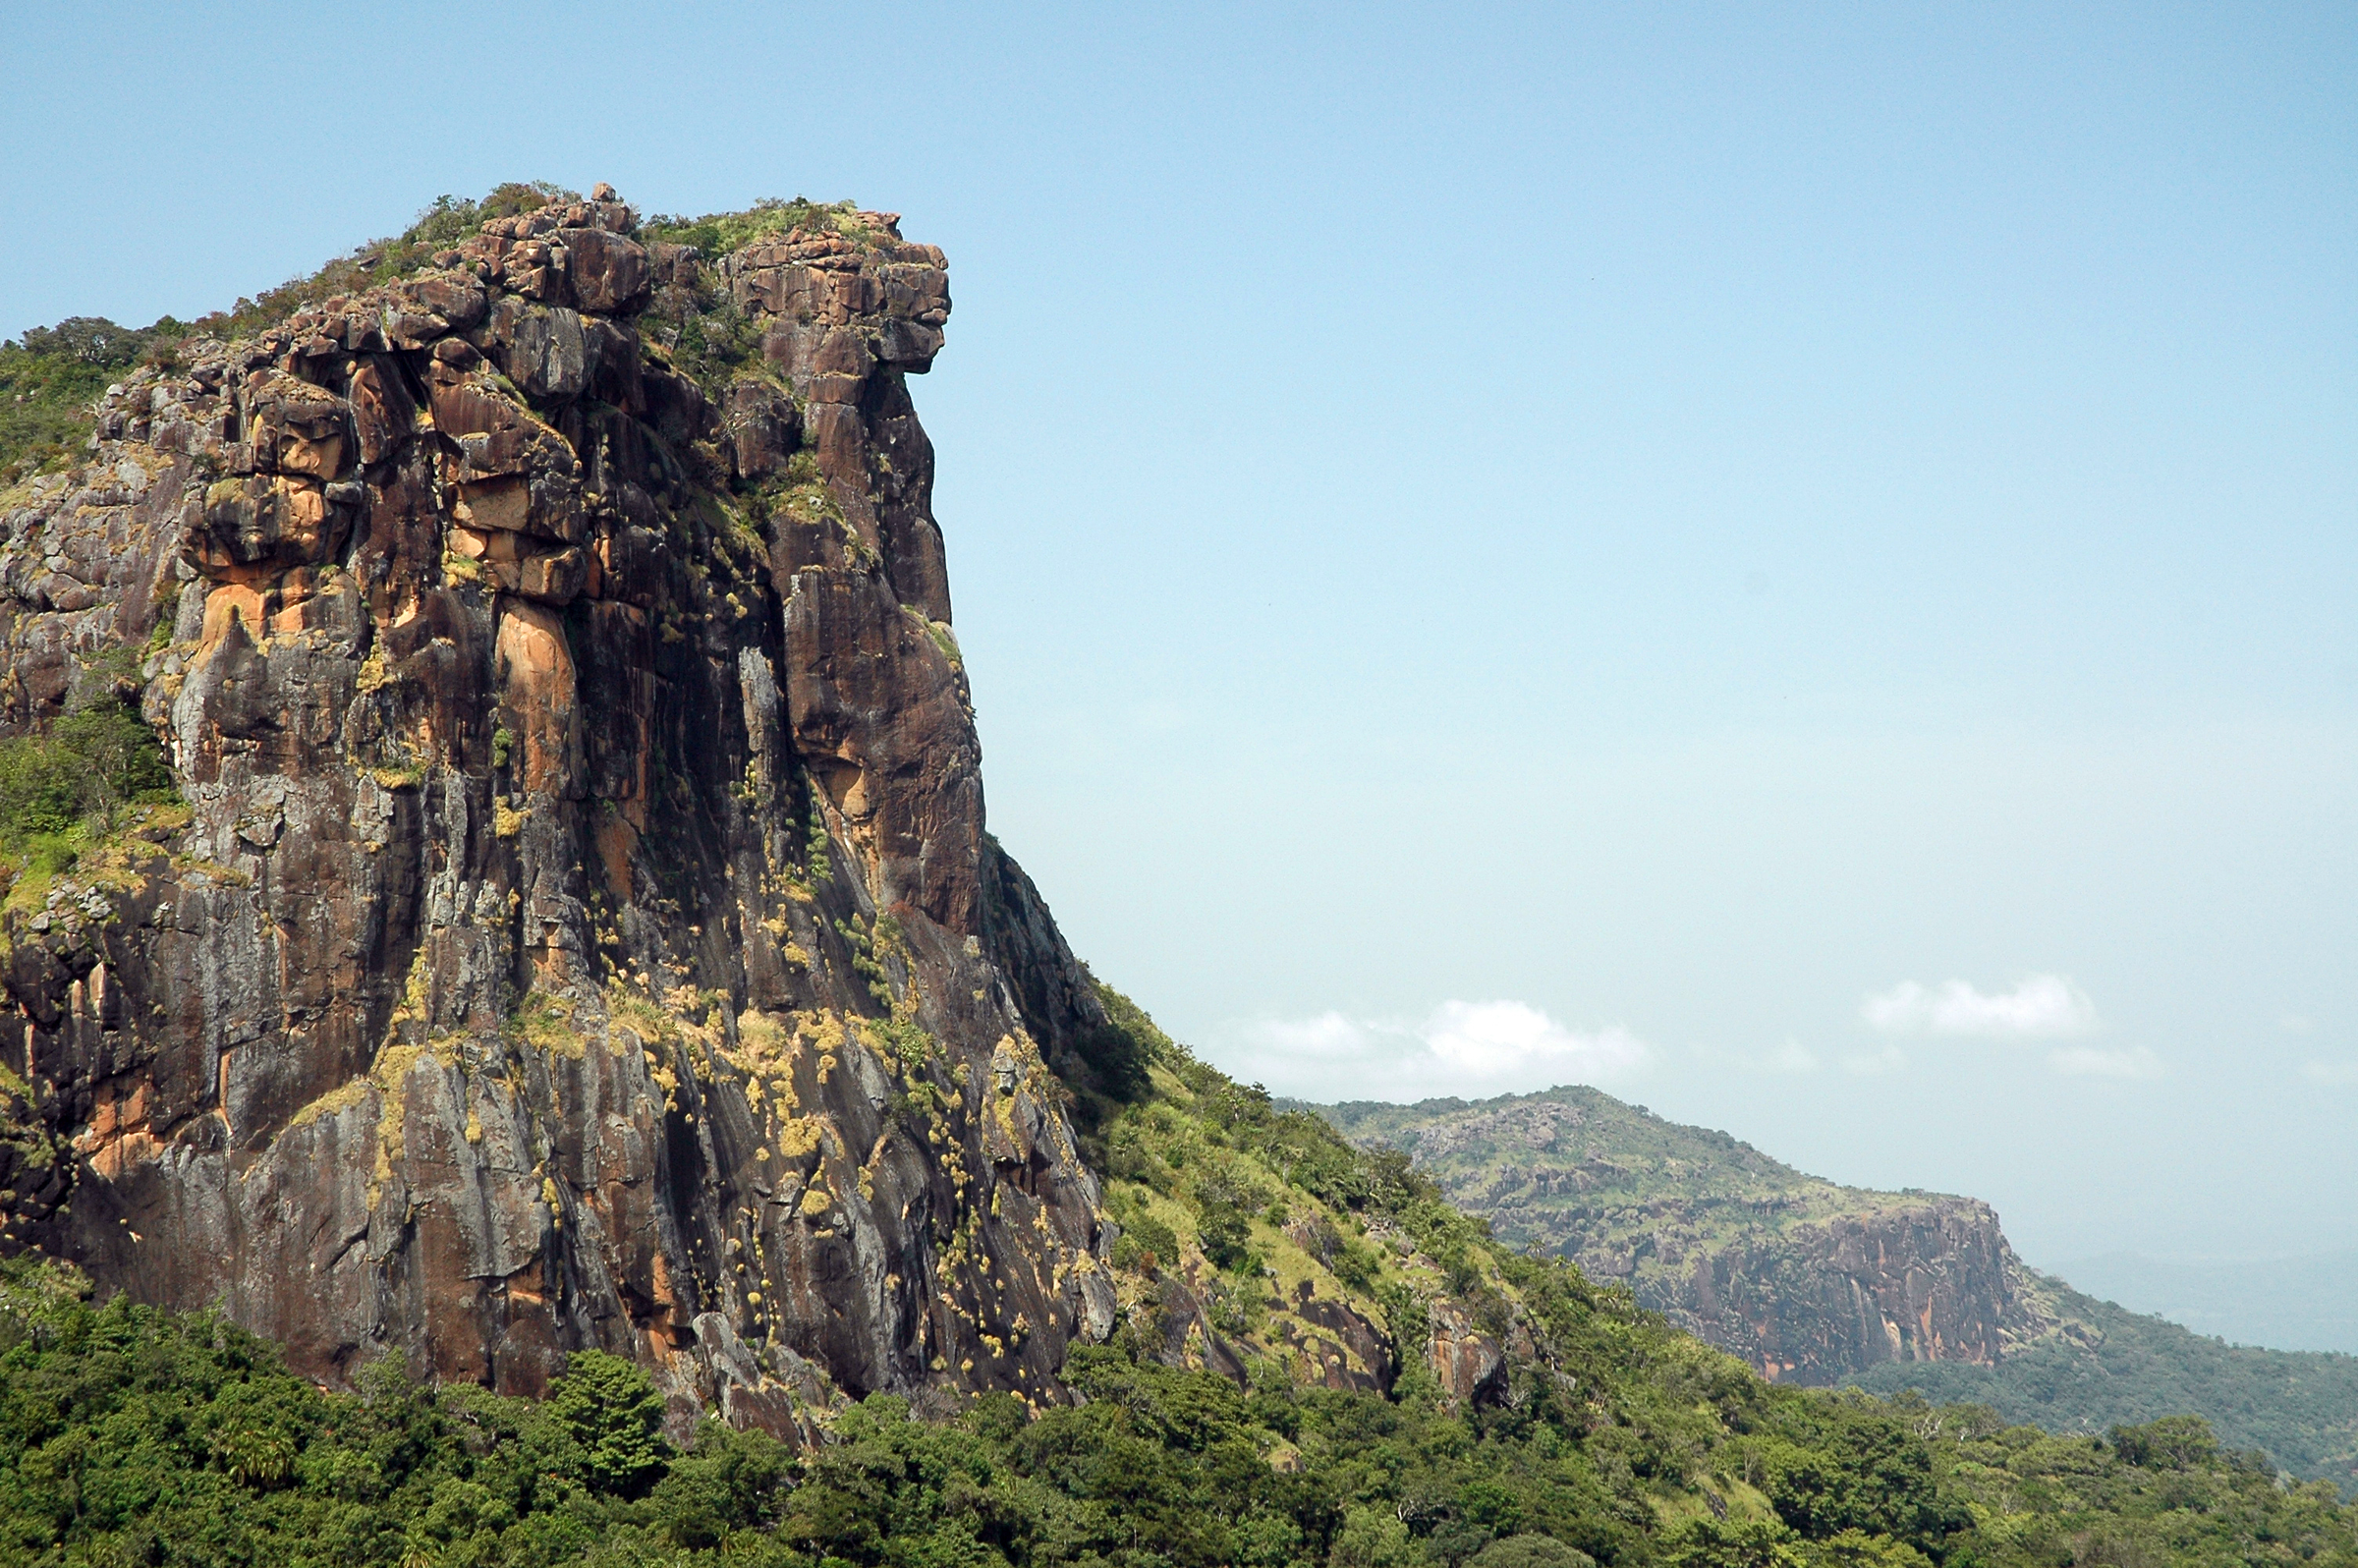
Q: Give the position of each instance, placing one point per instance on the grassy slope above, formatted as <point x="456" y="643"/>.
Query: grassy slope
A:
<point x="1608" y="1174"/>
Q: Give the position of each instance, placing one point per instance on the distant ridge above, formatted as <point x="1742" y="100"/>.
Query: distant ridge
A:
<point x="1814" y="1282"/>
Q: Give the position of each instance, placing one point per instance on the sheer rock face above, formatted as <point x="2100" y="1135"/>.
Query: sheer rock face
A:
<point x="584" y="932"/>
<point x="1935" y="1281"/>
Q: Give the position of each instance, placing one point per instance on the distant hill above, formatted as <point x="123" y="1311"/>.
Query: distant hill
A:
<point x="1814" y="1282"/>
<point x="1810" y="1281"/>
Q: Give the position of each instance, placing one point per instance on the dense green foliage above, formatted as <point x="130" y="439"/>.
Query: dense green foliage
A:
<point x="132" y="1436"/>
<point x="50" y="376"/>
<point x="65" y="791"/>
<point x="2162" y="1494"/>
<point x="2114" y="1366"/>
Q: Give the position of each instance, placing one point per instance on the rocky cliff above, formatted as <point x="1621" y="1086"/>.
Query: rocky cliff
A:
<point x="1808" y="1281"/>
<point x="580" y="929"/>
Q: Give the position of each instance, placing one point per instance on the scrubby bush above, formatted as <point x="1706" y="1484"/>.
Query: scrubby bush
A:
<point x="65" y="789"/>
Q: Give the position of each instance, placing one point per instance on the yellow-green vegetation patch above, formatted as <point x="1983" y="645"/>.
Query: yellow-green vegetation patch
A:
<point x="798" y="1137"/>
<point x="546" y="1022"/>
<point x="335" y="1103"/>
<point x="716" y="234"/>
<point x="640" y="1013"/>
<point x="939" y="634"/>
<point x="376" y="672"/>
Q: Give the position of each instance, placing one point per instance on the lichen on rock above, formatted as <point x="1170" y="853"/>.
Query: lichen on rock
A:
<point x="582" y="932"/>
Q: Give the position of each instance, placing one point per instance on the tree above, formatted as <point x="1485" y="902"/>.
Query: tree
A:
<point x="120" y="759"/>
<point x="610" y="1408"/>
<point x="1530" y="1552"/>
<point x="2175" y="1442"/>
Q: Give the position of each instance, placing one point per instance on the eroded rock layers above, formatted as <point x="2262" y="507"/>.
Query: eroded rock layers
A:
<point x="582" y="930"/>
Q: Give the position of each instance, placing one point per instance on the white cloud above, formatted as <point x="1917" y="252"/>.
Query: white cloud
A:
<point x="1891" y="1059"/>
<point x="2043" y="1006"/>
<point x="1465" y="1049"/>
<point x="1794" y="1058"/>
<point x="1330" y="1036"/>
<point x="2336" y="1074"/>
<point x="2089" y="1061"/>
<point x="1493" y="1038"/>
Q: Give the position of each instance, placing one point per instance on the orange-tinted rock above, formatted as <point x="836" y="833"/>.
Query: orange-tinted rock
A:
<point x="606" y="273"/>
<point x="497" y="1000"/>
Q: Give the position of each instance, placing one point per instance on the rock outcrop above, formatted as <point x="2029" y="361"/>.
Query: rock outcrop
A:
<point x="1808" y="1281"/>
<point x="582" y="929"/>
<point x="1825" y="1300"/>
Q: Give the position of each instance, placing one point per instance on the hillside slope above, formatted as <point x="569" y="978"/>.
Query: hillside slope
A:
<point x="1231" y="1418"/>
<point x="1825" y="1284"/>
<point x="2105" y="1366"/>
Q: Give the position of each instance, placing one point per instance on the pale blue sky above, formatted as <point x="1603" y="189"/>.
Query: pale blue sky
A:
<point x="1685" y="519"/>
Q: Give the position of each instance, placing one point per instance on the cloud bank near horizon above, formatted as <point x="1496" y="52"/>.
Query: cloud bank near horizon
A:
<point x="2041" y="1007"/>
<point x="1474" y="1049"/>
<point x="1470" y="1049"/>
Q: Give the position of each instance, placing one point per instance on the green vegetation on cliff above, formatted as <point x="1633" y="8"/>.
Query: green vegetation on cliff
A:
<point x="95" y="760"/>
<point x="130" y="1435"/>
<point x="719" y="233"/>
<point x="93" y="795"/>
<point x="50" y="376"/>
